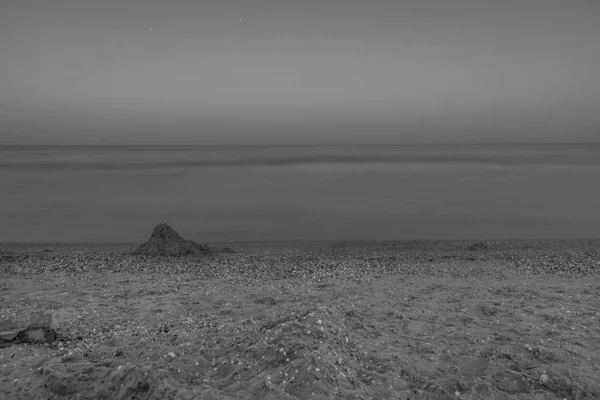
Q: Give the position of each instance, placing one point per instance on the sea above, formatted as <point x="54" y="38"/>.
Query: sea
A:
<point x="117" y="194"/>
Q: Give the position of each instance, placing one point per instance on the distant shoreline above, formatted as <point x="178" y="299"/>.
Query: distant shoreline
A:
<point x="395" y="243"/>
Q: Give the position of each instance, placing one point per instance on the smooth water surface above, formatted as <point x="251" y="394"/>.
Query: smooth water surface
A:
<point x="222" y="193"/>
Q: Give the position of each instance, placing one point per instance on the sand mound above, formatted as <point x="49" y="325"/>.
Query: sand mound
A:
<point x="165" y="241"/>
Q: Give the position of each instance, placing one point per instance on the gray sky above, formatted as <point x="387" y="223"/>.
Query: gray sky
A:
<point x="342" y="71"/>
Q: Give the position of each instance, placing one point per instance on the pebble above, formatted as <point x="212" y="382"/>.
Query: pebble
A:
<point x="363" y="261"/>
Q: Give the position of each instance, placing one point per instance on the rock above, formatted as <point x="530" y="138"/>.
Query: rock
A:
<point x="165" y="241"/>
<point x="478" y="246"/>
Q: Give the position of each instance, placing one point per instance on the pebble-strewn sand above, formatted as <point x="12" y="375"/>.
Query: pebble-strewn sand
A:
<point x="410" y="320"/>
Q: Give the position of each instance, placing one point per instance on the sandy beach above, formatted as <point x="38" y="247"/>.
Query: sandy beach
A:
<point x="351" y="200"/>
<point x="304" y="320"/>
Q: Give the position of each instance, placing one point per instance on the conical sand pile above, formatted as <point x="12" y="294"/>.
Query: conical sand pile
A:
<point x="165" y="241"/>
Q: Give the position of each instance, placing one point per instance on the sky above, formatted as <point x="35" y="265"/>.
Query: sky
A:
<point x="303" y="71"/>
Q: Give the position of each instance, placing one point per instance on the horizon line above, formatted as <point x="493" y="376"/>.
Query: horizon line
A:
<point x="296" y="144"/>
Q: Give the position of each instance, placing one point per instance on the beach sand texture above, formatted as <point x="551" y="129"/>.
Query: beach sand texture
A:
<point x="429" y="320"/>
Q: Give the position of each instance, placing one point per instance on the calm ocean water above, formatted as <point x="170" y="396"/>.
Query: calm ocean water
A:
<point x="221" y="193"/>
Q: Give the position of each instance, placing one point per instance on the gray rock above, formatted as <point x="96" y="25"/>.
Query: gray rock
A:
<point x="478" y="246"/>
<point x="165" y="241"/>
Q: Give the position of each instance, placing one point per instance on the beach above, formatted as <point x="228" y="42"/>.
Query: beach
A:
<point x="351" y="200"/>
<point x="508" y="319"/>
